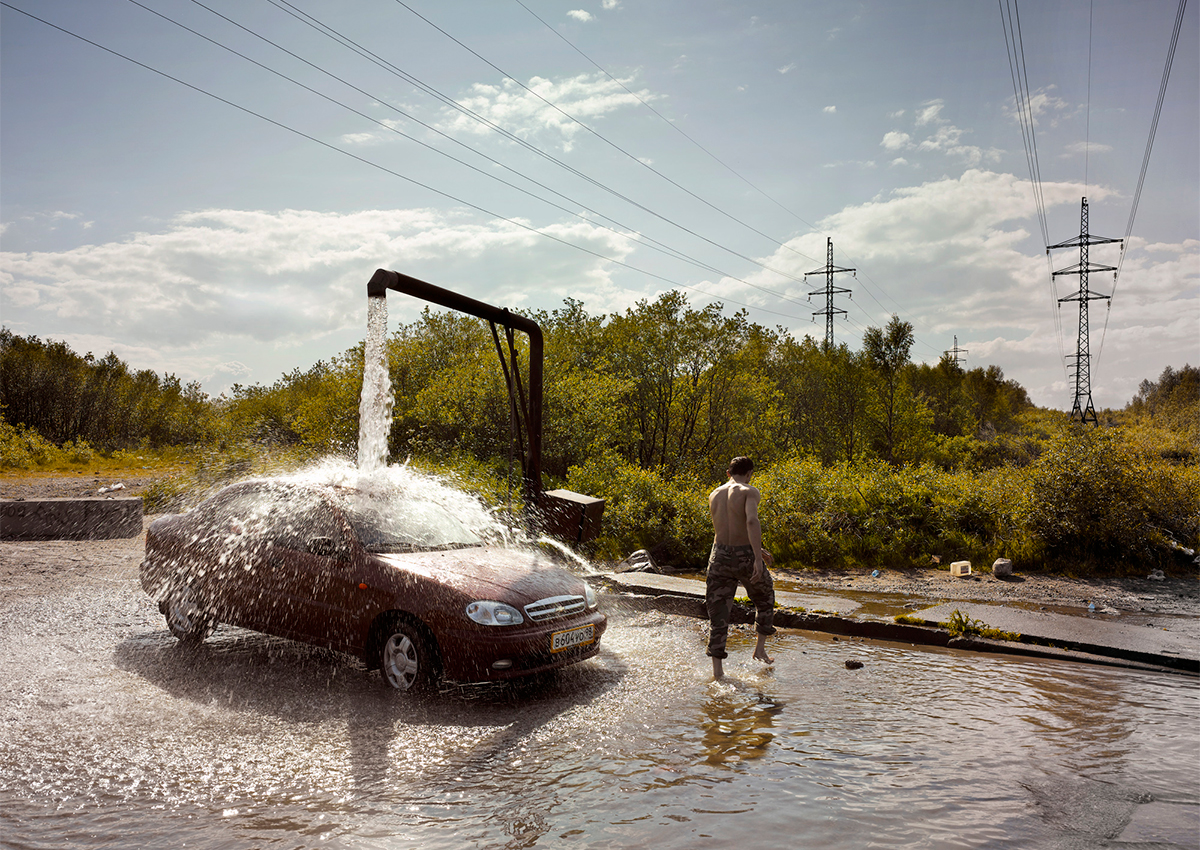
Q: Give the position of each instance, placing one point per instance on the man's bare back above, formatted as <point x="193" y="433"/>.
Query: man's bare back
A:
<point x="727" y="506"/>
<point x="734" y="510"/>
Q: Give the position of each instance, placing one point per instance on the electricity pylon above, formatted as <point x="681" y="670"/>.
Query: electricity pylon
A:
<point x="1082" y="406"/>
<point x="829" y="271"/>
<point x="955" y="359"/>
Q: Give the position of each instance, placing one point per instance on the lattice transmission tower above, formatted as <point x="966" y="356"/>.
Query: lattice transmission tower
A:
<point x="955" y="351"/>
<point x="830" y="290"/>
<point x="1082" y="406"/>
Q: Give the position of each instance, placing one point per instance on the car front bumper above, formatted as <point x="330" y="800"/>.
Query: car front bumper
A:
<point x="501" y="652"/>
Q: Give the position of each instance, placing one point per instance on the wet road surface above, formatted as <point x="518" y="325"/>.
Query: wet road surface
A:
<point x="114" y="735"/>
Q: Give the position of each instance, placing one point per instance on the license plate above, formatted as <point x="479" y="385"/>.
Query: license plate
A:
<point x="572" y="637"/>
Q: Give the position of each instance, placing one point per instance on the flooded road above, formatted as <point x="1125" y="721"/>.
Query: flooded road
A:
<point x="114" y="735"/>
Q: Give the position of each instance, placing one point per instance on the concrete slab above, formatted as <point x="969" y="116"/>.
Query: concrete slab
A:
<point x="1163" y="824"/>
<point x="1102" y="637"/>
<point x="655" y="584"/>
<point x="70" y="519"/>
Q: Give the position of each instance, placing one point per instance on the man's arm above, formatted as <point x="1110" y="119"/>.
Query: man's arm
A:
<point x="754" y="531"/>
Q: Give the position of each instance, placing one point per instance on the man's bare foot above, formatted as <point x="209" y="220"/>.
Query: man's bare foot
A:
<point x="760" y="651"/>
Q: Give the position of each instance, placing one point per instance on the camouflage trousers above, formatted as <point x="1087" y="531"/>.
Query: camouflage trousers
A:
<point x="727" y="566"/>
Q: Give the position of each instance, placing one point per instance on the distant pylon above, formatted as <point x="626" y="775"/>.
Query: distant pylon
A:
<point x="957" y="351"/>
<point x="829" y="271"/>
<point x="1082" y="405"/>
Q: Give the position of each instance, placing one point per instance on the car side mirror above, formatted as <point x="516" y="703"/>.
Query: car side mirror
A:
<point x="325" y="547"/>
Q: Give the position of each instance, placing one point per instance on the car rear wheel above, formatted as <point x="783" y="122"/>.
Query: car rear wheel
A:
<point x="186" y="619"/>
<point x="408" y="662"/>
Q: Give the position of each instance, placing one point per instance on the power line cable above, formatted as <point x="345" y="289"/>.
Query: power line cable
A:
<point x="1137" y="195"/>
<point x="362" y="51"/>
<point x="866" y="277"/>
<point x="600" y="136"/>
<point x="1014" y="45"/>
<point x="668" y="121"/>
<point x="389" y="171"/>
<point x="648" y="241"/>
<point x="330" y="32"/>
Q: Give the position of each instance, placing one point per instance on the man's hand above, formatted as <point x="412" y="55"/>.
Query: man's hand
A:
<point x="761" y="561"/>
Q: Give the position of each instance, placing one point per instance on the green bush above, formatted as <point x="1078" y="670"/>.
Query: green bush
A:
<point x="24" y="448"/>
<point x="1096" y="501"/>
<point x="874" y="515"/>
<point x="644" y="510"/>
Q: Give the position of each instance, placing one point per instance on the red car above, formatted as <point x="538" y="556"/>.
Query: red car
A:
<point x="402" y="583"/>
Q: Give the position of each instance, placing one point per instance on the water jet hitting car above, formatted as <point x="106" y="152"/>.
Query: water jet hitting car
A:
<point x="407" y="574"/>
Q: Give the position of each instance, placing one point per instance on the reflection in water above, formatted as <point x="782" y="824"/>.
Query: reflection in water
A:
<point x="737" y="724"/>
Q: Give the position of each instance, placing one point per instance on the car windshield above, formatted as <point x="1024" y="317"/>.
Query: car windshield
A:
<point x="403" y="524"/>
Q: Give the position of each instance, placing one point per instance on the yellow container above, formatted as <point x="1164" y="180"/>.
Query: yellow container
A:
<point x="960" y="568"/>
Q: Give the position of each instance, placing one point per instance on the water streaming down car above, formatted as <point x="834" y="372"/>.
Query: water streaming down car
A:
<point x="393" y="578"/>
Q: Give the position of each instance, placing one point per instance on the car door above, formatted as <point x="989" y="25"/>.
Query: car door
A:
<point x="316" y="593"/>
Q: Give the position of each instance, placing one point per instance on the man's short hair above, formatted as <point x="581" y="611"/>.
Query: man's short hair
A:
<point x="741" y="466"/>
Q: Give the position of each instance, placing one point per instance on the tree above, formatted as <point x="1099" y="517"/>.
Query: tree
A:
<point x="887" y="353"/>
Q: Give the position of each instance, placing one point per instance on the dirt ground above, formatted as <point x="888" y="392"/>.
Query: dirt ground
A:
<point x="35" y="567"/>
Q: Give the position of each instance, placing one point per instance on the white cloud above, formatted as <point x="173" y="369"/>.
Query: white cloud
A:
<point x="830" y="109"/>
<point x="1040" y="103"/>
<point x="225" y="286"/>
<point x="946" y="138"/>
<point x="581" y="15"/>
<point x="609" y="5"/>
<point x="359" y="138"/>
<point x="585" y="97"/>
<point x="929" y="112"/>
<point x="899" y="161"/>
<point x="1081" y="148"/>
<point x="791" y="66"/>
<point x="861" y="163"/>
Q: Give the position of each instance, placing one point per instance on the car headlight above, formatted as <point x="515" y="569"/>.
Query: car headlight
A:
<point x="489" y="613"/>
<point x="590" y="596"/>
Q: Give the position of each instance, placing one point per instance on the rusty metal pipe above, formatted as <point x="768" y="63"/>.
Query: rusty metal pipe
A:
<point x="383" y="280"/>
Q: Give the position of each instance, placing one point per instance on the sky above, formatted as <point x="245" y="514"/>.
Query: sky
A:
<point x="205" y="188"/>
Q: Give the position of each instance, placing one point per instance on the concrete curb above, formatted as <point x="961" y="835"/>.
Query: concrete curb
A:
<point x="70" y="519"/>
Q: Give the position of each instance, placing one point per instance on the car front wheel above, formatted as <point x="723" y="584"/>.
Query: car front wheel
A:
<point x="186" y="619"/>
<point x="408" y="662"/>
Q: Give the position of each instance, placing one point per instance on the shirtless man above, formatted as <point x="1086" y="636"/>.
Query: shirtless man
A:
<point x="737" y="556"/>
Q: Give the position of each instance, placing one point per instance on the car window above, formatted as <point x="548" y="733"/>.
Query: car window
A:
<point x="403" y="524"/>
<point x="270" y="516"/>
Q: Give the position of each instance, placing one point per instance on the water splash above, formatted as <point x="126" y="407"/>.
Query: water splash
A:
<point x="407" y="498"/>
<point x="577" y="560"/>
<point x="375" y="404"/>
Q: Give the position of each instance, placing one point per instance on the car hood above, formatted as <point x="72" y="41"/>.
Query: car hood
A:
<point x="490" y="572"/>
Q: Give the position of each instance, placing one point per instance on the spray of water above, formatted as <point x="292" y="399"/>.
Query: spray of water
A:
<point x="375" y="404"/>
<point x="578" y="561"/>
<point x="407" y="501"/>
